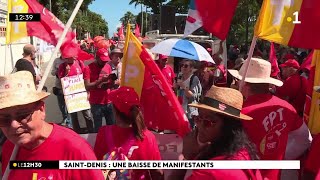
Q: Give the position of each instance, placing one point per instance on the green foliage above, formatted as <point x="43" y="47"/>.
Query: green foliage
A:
<point x="153" y="4"/>
<point x="146" y="21"/>
<point x="181" y="5"/>
<point x="128" y="17"/>
<point x="243" y="22"/>
<point x="85" y="21"/>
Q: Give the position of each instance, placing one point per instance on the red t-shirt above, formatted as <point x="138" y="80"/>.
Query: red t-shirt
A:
<point x="147" y="149"/>
<point x="312" y="163"/>
<point x="62" y="144"/>
<point x="273" y="119"/>
<point x="318" y="176"/>
<point x="168" y="73"/>
<point x="226" y="174"/>
<point x="93" y="72"/>
<point x="76" y="68"/>
<point x="294" y="87"/>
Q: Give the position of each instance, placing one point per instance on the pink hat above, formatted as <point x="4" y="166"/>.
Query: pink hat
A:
<point x="161" y="57"/>
<point x="124" y="98"/>
<point x="291" y="63"/>
<point x="103" y="54"/>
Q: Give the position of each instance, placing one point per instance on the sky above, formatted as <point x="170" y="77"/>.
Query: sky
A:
<point x="112" y="11"/>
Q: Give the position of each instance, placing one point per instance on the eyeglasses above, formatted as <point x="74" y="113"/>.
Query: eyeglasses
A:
<point x="203" y="120"/>
<point x="184" y="65"/>
<point x="24" y="118"/>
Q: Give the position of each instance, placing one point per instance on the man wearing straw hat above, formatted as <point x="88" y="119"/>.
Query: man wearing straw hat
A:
<point x="277" y="130"/>
<point x="22" y="120"/>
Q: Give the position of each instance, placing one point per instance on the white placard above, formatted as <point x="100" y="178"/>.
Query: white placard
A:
<point x="77" y="102"/>
<point x="73" y="85"/>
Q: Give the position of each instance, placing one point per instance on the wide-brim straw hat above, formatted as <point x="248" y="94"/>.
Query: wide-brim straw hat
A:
<point x="259" y="71"/>
<point x="224" y="101"/>
<point x="19" y="89"/>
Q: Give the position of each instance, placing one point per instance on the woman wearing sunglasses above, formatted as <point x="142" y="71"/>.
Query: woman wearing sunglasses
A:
<point x="218" y="136"/>
<point x="189" y="89"/>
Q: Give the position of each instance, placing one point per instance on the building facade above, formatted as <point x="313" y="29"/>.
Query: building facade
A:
<point x="3" y="17"/>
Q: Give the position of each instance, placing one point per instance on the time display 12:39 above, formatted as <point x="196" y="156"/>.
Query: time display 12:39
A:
<point x="14" y="17"/>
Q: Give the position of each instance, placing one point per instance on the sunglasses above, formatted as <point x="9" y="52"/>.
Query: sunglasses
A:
<point x="23" y="118"/>
<point x="184" y="65"/>
<point x="203" y="120"/>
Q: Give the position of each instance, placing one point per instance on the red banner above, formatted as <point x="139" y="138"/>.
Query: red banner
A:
<point x="216" y="15"/>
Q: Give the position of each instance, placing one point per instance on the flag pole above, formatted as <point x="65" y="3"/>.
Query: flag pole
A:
<point x="46" y="73"/>
<point x="11" y="55"/>
<point x="66" y="29"/>
<point x="247" y="63"/>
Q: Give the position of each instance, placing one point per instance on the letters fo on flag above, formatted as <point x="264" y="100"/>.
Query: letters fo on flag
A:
<point x="290" y="22"/>
<point x="312" y="106"/>
<point x="160" y="106"/>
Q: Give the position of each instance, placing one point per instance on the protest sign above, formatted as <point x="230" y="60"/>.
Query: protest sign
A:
<point x="73" y="84"/>
<point x="77" y="102"/>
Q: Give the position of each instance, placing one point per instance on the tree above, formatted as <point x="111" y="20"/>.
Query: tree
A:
<point x="85" y="21"/>
<point x="155" y="5"/>
<point x="182" y="5"/>
<point x="243" y="22"/>
<point x="146" y="21"/>
<point x="128" y="18"/>
<point x="58" y="6"/>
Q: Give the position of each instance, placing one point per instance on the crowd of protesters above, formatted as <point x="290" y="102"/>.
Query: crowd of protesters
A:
<point x="263" y="121"/>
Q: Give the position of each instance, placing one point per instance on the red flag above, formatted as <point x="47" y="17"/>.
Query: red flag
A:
<point x="159" y="104"/>
<point x="121" y="33"/>
<point x="216" y="15"/>
<point x="307" y="62"/>
<point x="274" y="61"/>
<point x="137" y="31"/>
<point x="84" y="56"/>
<point x="312" y="106"/>
<point x="49" y="28"/>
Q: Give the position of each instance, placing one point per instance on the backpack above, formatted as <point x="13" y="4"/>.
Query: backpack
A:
<point x="118" y="153"/>
<point x="199" y="89"/>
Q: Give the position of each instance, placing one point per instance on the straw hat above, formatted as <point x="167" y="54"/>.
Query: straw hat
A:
<point x="225" y="101"/>
<point x="19" y="89"/>
<point x="258" y="72"/>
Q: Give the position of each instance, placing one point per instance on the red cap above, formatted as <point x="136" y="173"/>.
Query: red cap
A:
<point x="69" y="50"/>
<point x="161" y="57"/>
<point x="103" y="54"/>
<point x="291" y="63"/>
<point x="124" y="98"/>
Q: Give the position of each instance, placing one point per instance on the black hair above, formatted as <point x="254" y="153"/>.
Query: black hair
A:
<point x="232" y="140"/>
<point x="136" y="119"/>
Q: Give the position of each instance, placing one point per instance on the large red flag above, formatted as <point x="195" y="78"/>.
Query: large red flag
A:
<point x="49" y="28"/>
<point x="312" y="107"/>
<point x="216" y="15"/>
<point x="274" y="61"/>
<point x="161" y="107"/>
<point x="307" y="62"/>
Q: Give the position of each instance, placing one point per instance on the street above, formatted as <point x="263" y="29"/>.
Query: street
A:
<point x="53" y="113"/>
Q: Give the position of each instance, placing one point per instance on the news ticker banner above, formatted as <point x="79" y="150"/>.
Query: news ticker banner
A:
<point x="155" y="164"/>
